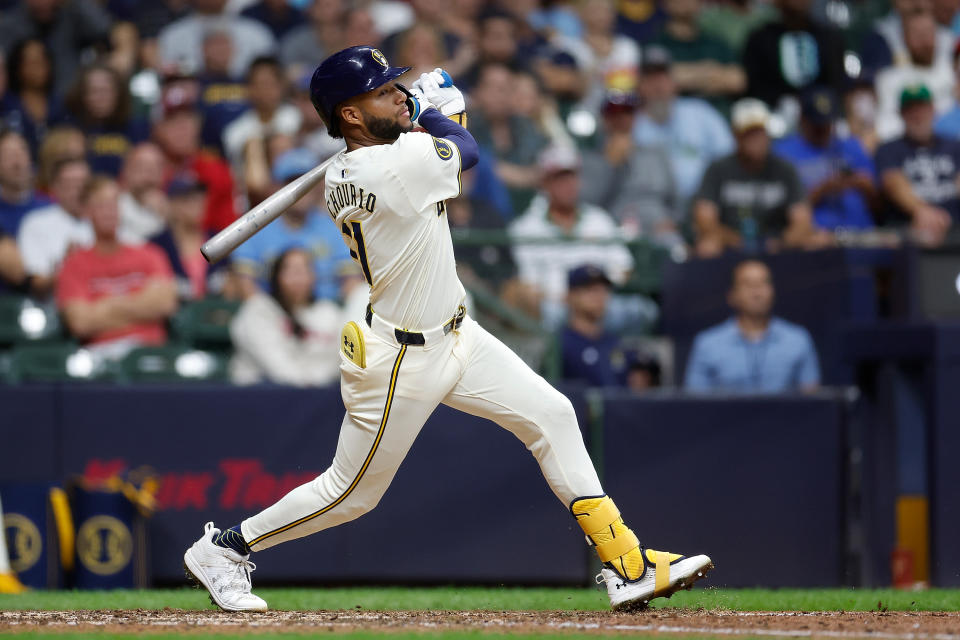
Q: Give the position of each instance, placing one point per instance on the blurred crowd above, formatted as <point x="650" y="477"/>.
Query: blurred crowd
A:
<point x="130" y="132"/>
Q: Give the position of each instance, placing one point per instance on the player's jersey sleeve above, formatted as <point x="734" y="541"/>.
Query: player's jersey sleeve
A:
<point x="426" y="169"/>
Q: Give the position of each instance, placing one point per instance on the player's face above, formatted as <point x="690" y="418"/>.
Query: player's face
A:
<point x="385" y="113"/>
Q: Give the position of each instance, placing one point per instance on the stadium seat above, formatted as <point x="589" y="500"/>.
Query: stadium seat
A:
<point x="173" y="363"/>
<point x="56" y="362"/>
<point x="205" y="323"/>
<point x="23" y="320"/>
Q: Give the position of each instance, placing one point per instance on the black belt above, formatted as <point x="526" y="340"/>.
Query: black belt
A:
<point x="415" y="338"/>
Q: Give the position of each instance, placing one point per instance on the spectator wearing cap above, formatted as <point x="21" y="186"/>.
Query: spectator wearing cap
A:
<point x="918" y="171"/>
<point x="578" y="232"/>
<point x="922" y="66"/>
<point x="181" y="43"/>
<point x="589" y="353"/>
<point x="786" y="55"/>
<point x="754" y="351"/>
<point x="689" y="130"/>
<point x="67" y="29"/>
<point x="269" y="112"/>
<point x="178" y="135"/>
<point x="947" y="124"/>
<point x="703" y="65"/>
<point x="511" y="139"/>
<point x="222" y="96"/>
<point x="18" y="193"/>
<point x="99" y="105"/>
<point x="277" y="15"/>
<point x="143" y="203"/>
<point x="836" y="173"/>
<point x="182" y="238"/>
<point x="316" y="38"/>
<point x="751" y="199"/>
<point x="114" y="296"/>
<point x="632" y="182"/>
<point x="303" y="225"/>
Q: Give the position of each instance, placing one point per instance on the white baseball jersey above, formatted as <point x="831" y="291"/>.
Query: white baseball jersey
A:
<point x="388" y="201"/>
<point x="407" y="254"/>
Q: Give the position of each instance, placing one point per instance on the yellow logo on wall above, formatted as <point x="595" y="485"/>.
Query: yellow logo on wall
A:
<point x="24" y="543"/>
<point x="104" y="545"/>
<point x="379" y="57"/>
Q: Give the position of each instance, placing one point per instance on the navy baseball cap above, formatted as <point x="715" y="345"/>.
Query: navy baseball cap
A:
<point x="585" y="275"/>
<point x="818" y="105"/>
<point x="655" y="58"/>
<point x="185" y="184"/>
<point x="348" y="73"/>
<point x="293" y="164"/>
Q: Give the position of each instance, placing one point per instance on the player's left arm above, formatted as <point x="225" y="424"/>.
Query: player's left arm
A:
<point x="447" y="119"/>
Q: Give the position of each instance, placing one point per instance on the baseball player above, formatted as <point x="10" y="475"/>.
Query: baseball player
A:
<point x="417" y="347"/>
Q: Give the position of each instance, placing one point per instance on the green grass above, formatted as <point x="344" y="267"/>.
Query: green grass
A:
<point x="504" y="598"/>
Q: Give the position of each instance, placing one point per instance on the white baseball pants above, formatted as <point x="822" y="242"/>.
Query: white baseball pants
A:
<point x="389" y="401"/>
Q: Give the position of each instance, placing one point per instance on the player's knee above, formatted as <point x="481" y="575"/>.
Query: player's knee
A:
<point x="561" y="415"/>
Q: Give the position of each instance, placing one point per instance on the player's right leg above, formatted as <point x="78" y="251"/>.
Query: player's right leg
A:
<point x="498" y="385"/>
<point x="387" y="403"/>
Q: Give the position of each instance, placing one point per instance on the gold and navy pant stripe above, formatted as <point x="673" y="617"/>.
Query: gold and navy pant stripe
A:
<point x="363" y="468"/>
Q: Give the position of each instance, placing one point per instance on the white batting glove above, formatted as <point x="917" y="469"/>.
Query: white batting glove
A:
<point x="416" y="102"/>
<point x="437" y="87"/>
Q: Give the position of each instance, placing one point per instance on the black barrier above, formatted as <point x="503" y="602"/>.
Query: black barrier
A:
<point x="927" y="358"/>
<point x="468" y="505"/>
<point x="820" y="290"/>
<point x="756" y="483"/>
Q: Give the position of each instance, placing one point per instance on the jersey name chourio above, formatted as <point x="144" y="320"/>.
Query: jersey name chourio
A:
<point x="387" y="200"/>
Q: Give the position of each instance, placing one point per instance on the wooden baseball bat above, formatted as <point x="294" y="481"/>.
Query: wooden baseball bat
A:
<point x="241" y="230"/>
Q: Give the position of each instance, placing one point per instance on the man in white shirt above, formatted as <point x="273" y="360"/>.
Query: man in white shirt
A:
<point x="181" y="43"/>
<point x="579" y="230"/>
<point x="269" y="112"/>
<point x="922" y="66"/>
<point x="48" y="233"/>
<point x="143" y="203"/>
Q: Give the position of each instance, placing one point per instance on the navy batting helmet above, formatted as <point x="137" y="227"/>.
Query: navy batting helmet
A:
<point x="346" y="74"/>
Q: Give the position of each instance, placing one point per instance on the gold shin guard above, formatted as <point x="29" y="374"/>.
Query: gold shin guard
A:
<point x="617" y="546"/>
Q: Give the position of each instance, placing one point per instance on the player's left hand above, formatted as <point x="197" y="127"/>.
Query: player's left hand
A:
<point x="437" y="87"/>
<point x="416" y="102"/>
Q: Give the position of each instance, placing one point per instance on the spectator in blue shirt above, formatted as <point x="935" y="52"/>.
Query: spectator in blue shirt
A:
<point x="918" y="171"/>
<point x="753" y="352"/>
<point x="17" y="193"/>
<point x="836" y="172"/>
<point x="689" y="130"/>
<point x="305" y="225"/>
<point x="589" y="354"/>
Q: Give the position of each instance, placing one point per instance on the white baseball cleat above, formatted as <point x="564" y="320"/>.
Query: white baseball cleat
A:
<point x="675" y="573"/>
<point x="223" y="572"/>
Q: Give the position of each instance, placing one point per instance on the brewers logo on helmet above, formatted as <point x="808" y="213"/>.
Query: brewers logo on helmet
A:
<point x="346" y="74"/>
